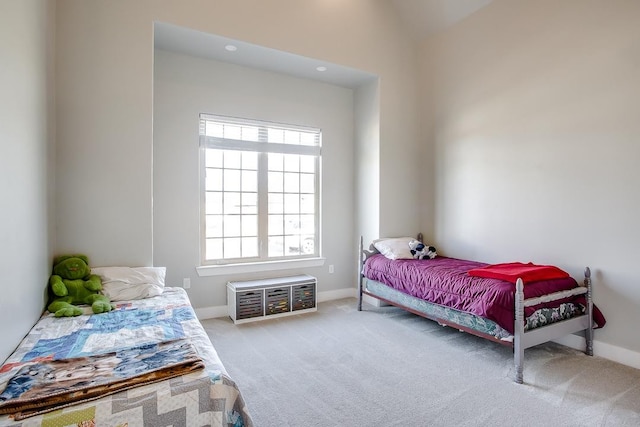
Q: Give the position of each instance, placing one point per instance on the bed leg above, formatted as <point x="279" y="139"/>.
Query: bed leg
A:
<point x="360" y="265"/>
<point x="518" y="332"/>
<point x="588" y="333"/>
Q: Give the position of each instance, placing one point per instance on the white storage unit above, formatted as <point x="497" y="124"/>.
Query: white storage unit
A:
<point x="253" y="300"/>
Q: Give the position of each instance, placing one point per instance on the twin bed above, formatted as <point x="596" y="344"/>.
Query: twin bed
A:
<point x="467" y="295"/>
<point x="167" y="371"/>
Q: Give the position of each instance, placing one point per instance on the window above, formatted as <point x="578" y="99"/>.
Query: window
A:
<point x="260" y="190"/>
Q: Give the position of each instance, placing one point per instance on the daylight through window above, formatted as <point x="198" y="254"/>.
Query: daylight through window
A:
<point x="260" y="190"/>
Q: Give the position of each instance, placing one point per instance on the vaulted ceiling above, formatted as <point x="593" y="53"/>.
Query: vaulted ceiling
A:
<point x="422" y="17"/>
<point x="425" y="17"/>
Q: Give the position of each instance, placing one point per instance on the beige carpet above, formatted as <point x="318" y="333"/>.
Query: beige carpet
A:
<point x="386" y="367"/>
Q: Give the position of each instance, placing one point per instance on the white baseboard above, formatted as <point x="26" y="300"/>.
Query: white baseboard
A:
<point x="601" y="349"/>
<point x="337" y="294"/>
<point x="222" y="311"/>
<point x="211" y="312"/>
<point x="374" y="301"/>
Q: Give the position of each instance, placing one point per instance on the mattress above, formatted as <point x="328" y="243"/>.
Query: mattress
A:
<point x="206" y="396"/>
<point x="445" y="281"/>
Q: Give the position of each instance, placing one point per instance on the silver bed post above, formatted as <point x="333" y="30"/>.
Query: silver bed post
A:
<point x="518" y="332"/>
<point x="360" y="265"/>
<point x="588" y="333"/>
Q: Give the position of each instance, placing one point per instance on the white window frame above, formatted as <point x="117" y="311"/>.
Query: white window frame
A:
<point x="263" y="147"/>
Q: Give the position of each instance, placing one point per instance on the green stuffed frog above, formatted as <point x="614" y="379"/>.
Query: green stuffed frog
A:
<point x="72" y="283"/>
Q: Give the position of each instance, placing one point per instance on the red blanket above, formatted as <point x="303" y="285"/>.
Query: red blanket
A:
<point x="511" y="271"/>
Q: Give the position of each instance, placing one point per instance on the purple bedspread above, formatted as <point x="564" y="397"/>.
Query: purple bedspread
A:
<point x="445" y="281"/>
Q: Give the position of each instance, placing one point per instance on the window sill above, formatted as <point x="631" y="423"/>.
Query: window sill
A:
<point x="219" y="270"/>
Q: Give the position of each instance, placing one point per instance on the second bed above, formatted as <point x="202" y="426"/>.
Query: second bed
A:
<point x="514" y="314"/>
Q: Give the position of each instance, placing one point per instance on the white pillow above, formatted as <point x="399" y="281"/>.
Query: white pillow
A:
<point x="394" y="248"/>
<point x="129" y="283"/>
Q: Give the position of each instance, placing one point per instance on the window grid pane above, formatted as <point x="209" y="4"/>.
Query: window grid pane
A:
<point x="296" y="228"/>
<point x="231" y="226"/>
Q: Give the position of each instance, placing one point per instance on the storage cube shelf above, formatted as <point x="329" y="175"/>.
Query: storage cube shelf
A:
<point x="304" y="296"/>
<point x="277" y="300"/>
<point x="253" y="300"/>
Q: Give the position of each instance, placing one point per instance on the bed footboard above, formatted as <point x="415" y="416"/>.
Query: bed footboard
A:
<point x="589" y="330"/>
<point x="523" y="340"/>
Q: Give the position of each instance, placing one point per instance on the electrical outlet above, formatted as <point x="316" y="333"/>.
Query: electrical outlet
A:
<point x="186" y="283"/>
<point x="331" y="269"/>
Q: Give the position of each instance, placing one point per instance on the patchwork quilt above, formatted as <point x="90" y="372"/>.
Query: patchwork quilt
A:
<point x="149" y="362"/>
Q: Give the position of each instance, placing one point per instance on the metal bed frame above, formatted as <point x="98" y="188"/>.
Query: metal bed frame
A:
<point x="521" y="339"/>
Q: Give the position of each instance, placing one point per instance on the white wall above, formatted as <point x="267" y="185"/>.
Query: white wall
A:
<point x="535" y="129"/>
<point x="104" y="54"/>
<point x="26" y="148"/>
<point x="367" y="168"/>
<point x="105" y="91"/>
<point x="184" y="87"/>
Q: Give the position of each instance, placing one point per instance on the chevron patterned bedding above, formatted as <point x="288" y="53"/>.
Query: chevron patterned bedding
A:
<point x="206" y="397"/>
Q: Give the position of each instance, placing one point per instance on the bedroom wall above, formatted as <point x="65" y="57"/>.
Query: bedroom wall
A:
<point x="26" y="152"/>
<point x="535" y="126"/>
<point x="105" y="90"/>
<point x="184" y="87"/>
<point x="367" y="170"/>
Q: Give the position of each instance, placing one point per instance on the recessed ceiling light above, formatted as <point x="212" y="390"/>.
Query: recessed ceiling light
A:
<point x="231" y="48"/>
<point x="321" y="68"/>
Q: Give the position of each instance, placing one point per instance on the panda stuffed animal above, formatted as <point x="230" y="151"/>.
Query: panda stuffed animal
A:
<point x="421" y="251"/>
